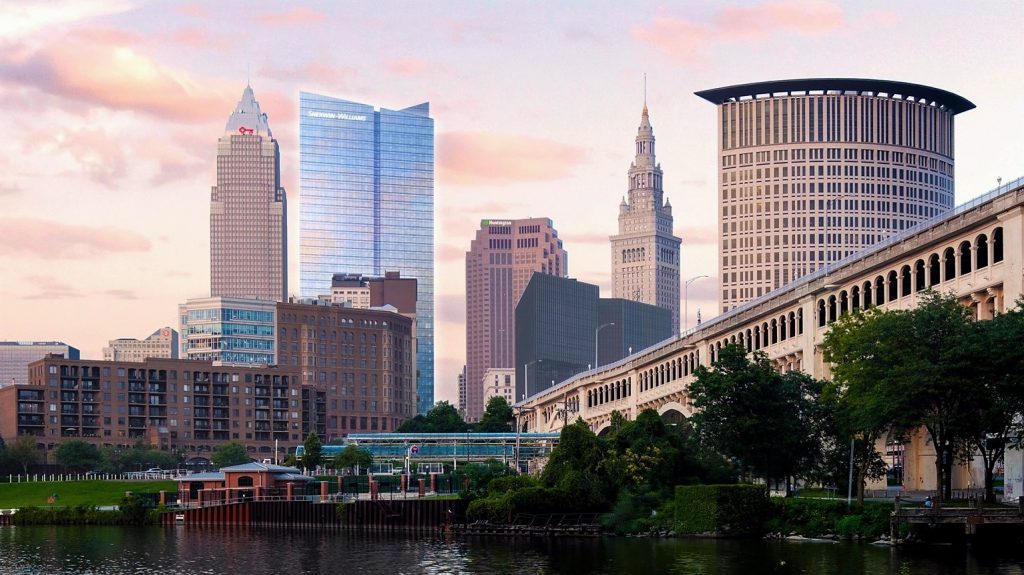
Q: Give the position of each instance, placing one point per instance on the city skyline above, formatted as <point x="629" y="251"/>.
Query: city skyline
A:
<point x="131" y="135"/>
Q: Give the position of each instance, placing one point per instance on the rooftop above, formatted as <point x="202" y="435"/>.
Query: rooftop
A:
<point x="859" y="86"/>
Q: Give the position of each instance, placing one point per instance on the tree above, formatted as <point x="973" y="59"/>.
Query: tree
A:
<point x="23" y="452"/>
<point x="352" y="456"/>
<point x="908" y="369"/>
<point x="999" y="421"/>
<point x="78" y="456"/>
<point x="767" y="421"/>
<point x="442" y="418"/>
<point x="497" y="417"/>
<point x="312" y="452"/>
<point x="228" y="454"/>
<point x="575" y="467"/>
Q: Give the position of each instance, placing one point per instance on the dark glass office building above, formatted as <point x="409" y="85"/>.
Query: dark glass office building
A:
<point x="367" y="204"/>
<point x="556" y="319"/>
<point x="630" y="326"/>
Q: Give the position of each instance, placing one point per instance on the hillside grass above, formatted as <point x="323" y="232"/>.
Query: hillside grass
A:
<point x="71" y="493"/>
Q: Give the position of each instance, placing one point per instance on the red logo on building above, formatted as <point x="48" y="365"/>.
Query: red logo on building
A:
<point x="244" y="130"/>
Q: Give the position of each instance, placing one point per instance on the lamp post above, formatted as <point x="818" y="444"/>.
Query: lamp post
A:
<point x="686" y="299"/>
<point x="597" y="331"/>
<point x="526" y="377"/>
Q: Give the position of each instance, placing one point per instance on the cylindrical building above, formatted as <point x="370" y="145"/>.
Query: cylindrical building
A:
<point x="813" y="170"/>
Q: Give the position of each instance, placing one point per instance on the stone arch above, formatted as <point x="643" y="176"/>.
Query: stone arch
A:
<point x="934" y="270"/>
<point x="905" y="281"/>
<point x="920" y="280"/>
<point x="674" y="407"/>
<point x="965" y="257"/>
<point x="604" y="429"/>
<point x="949" y="264"/>
<point x="893" y="281"/>
<point x="981" y="251"/>
<point x="855" y="303"/>
<point x="866" y="295"/>
<point x="997" y="245"/>
<point x="879" y="290"/>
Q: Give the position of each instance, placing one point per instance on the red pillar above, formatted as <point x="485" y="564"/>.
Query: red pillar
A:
<point x="433" y="483"/>
<point x="291" y="491"/>
<point x="423" y="487"/>
<point x="323" y="491"/>
<point x="163" y="498"/>
<point x="373" y="490"/>
<point x="405" y="484"/>
<point x="201" y="497"/>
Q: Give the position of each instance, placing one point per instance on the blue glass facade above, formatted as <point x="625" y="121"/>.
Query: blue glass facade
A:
<point x="367" y="205"/>
<point x="230" y="330"/>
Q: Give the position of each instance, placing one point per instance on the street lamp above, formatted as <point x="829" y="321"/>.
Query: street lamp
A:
<point x="597" y="331"/>
<point x="686" y="299"/>
<point x="526" y="377"/>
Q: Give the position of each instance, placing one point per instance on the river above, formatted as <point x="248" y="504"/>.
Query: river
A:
<point x="152" y="550"/>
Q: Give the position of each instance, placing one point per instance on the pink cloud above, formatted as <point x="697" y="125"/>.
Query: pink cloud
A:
<point x="687" y="41"/>
<point x="50" y="288"/>
<point x="411" y="67"/>
<point x="35" y="238"/>
<point x="756" y="22"/>
<point x="114" y="76"/>
<point x="293" y="17"/>
<point x="475" y="158"/>
<point x="100" y="157"/>
<point x="9" y="189"/>
<point x="319" y="70"/>
<point x="679" y="39"/>
<point x="450" y="253"/>
<point x="194" y="38"/>
<point x="197" y="10"/>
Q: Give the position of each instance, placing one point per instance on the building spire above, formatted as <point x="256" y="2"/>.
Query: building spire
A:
<point x="645" y="93"/>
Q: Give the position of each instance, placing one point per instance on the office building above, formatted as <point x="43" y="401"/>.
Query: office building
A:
<point x="499" y="382"/>
<point x="364" y="358"/>
<point x="229" y="330"/>
<point x="461" y="383"/>
<point x="499" y="264"/>
<point x="367" y="193"/>
<point x="814" y="170"/>
<point x="628" y="326"/>
<point x="16" y="355"/>
<point x="162" y="343"/>
<point x="248" y="209"/>
<point x="645" y="252"/>
<point x="556" y="320"/>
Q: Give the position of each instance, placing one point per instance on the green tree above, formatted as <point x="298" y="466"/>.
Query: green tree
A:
<point x="442" y="418"/>
<point x="138" y="457"/>
<point x="1000" y="375"/>
<point x="78" y="456"/>
<point x="497" y="417"/>
<point x="312" y="452"/>
<point x="575" y="467"/>
<point x="23" y="452"/>
<point x="767" y="421"/>
<point x="228" y="454"/>
<point x="908" y="369"/>
<point x="352" y="456"/>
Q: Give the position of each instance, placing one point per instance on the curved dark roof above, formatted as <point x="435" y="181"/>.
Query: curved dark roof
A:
<point x="859" y="85"/>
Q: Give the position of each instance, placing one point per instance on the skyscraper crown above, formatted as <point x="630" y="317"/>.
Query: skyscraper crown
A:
<point x="247" y="117"/>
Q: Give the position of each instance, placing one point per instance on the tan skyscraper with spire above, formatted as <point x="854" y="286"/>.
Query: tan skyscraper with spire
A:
<point x="248" y="210"/>
<point x="645" y="253"/>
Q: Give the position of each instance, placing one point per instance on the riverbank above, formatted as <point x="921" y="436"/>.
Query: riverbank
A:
<point x="74" y="493"/>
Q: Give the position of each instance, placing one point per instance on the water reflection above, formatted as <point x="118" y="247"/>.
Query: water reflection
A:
<point x="111" y="550"/>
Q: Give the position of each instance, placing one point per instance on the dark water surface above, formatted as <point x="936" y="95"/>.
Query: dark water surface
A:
<point x="152" y="550"/>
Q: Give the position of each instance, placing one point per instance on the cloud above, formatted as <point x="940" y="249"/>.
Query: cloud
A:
<point x="294" y="17"/>
<point x="688" y="41"/>
<point x="462" y="31"/>
<point x="47" y="287"/>
<point x="122" y="294"/>
<point x="101" y="69"/>
<point x="194" y="38"/>
<point x="24" y="19"/>
<point x="319" y="70"/>
<point x="412" y="67"/>
<point x="450" y="253"/>
<point x="475" y="158"/>
<point x="583" y="33"/>
<point x="46" y="239"/>
<point x="101" y="157"/>
<point x="196" y="10"/>
<point x="9" y="189"/>
<point x="572" y="239"/>
<point x="451" y="308"/>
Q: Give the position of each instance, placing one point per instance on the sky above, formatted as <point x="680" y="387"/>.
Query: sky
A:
<point x="110" y="112"/>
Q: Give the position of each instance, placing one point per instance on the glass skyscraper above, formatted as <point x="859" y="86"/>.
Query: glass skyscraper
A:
<point x="367" y="204"/>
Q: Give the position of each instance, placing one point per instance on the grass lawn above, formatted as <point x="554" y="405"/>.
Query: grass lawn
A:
<point x="70" y="493"/>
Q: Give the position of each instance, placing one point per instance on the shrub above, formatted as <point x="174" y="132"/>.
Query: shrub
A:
<point x="721" y="509"/>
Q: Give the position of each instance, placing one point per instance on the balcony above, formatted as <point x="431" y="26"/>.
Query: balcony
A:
<point x="33" y="420"/>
